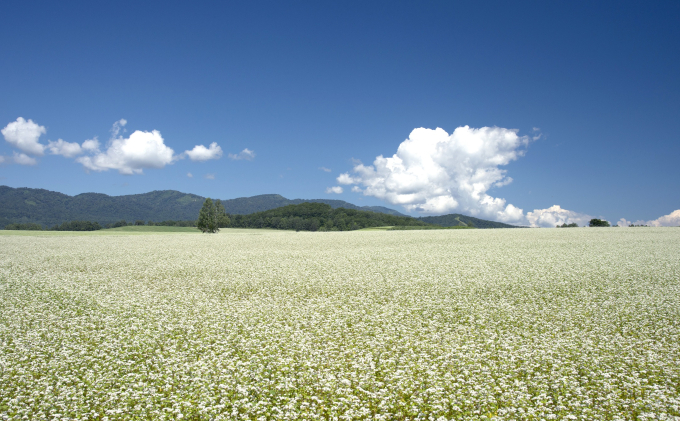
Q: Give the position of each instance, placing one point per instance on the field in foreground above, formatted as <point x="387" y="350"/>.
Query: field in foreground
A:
<point x="445" y="324"/>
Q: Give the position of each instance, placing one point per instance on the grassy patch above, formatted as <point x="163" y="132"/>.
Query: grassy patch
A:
<point x="417" y="228"/>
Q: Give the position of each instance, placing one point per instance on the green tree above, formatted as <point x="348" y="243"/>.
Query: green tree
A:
<point x="598" y="223"/>
<point x="222" y="217"/>
<point x="207" y="217"/>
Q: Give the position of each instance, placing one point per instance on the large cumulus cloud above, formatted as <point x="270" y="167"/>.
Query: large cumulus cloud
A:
<point x="434" y="172"/>
<point x="131" y="155"/>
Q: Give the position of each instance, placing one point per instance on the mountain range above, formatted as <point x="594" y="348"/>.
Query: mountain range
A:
<point x="26" y="205"/>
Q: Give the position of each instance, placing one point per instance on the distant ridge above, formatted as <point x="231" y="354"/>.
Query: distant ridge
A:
<point x="456" y="219"/>
<point x="24" y="205"/>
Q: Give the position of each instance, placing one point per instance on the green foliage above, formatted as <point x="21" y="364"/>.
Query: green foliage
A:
<point x="77" y="226"/>
<point x="456" y="219"/>
<point x="598" y="223"/>
<point x="208" y="218"/>
<point x="311" y="216"/>
<point x="565" y="225"/>
<point x="222" y="217"/>
<point x="28" y="227"/>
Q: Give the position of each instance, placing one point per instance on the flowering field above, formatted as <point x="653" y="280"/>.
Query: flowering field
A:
<point x="251" y="324"/>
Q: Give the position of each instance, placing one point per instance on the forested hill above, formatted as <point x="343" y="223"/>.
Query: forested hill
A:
<point x="320" y="217"/>
<point x="456" y="219"/>
<point x="26" y="205"/>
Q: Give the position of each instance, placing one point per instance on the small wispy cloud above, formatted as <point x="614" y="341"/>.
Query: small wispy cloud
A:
<point x="23" y="159"/>
<point x="245" y="154"/>
<point x="334" y="190"/>
<point x="190" y="175"/>
<point x="117" y="127"/>
<point x="325" y="169"/>
<point x="210" y="176"/>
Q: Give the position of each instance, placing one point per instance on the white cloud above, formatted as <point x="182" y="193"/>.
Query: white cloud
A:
<point x="201" y="153"/>
<point x="623" y="222"/>
<point x="434" y="172"/>
<point x="325" y="169"/>
<point x="67" y="149"/>
<point x="190" y="175"/>
<point x="555" y="215"/>
<point x="117" y="127"/>
<point x="335" y="190"/>
<point x="24" y="136"/>
<point x="670" y="220"/>
<point x="130" y="156"/>
<point x="23" y="159"/>
<point x="246" y="154"/>
<point x="2" y="159"/>
<point x="345" y="178"/>
<point x="91" y="145"/>
<point x="210" y="176"/>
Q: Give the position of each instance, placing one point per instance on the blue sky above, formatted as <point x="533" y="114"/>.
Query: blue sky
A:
<point x="590" y="92"/>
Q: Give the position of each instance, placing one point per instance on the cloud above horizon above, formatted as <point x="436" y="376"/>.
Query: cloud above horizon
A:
<point x="670" y="220"/>
<point x="434" y="172"/>
<point x="24" y="135"/>
<point x="130" y="155"/>
<point x="334" y="190"/>
<point x="245" y="154"/>
<point x="23" y="159"/>
<point x="66" y="149"/>
<point x="201" y="153"/>
<point x="554" y="216"/>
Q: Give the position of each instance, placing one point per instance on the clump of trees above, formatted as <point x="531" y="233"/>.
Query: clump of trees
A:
<point x="312" y="216"/>
<point x="598" y="223"/>
<point x="168" y="223"/>
<point x="77" y="226"/>
<point x="29" y="227"/>
<point x="65" y="226"/>
<point x="212" y="217"/>
<point x="565" y="225"/>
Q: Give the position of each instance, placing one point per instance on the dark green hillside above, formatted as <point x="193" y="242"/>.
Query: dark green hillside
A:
<point x="456" y="219"/>
<point x="48" y="208"/>
<point x="24" y="205"/>
<point x="319" y="217"/>
<point x="342" y="204"/>
<point x="246" y="205"/>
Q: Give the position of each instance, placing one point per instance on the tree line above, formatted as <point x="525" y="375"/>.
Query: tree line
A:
<point x="307" y="216"/>
<point x="65" y="226"/>
<point x="94" y="226"/>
